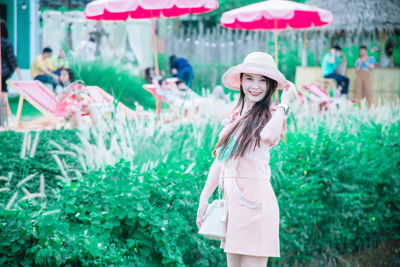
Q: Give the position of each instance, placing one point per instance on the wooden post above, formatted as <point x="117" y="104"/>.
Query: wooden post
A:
<point x="155" y="49"/>
<point x="332" y="41"/>
<point x="158" y="108"/>
<point x="0" y="65"/>
<point x="19" y="111"/>
<point x="2" y="106"/>
<point x="382" y="43"/>
<point x="276" y="41"/>
<point x="1" y="112"/>
<point x="304" y="59"/>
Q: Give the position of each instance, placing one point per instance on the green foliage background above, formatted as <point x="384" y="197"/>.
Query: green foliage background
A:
<point x="336" y="180"/>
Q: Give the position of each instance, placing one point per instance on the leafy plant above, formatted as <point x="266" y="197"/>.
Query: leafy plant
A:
<point x="336" y="177"/>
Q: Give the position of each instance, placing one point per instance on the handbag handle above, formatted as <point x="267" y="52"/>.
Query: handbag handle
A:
<point x="220" y="182"/>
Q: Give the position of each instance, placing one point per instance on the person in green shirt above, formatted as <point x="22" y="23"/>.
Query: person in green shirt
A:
<point x="330" y="63"/>
<point x="59" y="62"/>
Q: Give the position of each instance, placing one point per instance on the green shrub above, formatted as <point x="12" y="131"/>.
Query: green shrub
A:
<point x="15" y="168"/>
<point x="336" y="177"/>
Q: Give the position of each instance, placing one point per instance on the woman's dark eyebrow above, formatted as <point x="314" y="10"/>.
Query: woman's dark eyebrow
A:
<point x="248" y="75"/>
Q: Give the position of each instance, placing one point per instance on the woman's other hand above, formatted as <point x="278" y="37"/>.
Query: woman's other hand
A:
<point x="203" y="205"/>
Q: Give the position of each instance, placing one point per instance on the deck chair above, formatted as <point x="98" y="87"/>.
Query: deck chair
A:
<point x="101" y="97"/>
<point x="38" y="96"/>
<point x="321" y="97"/>
<point x="300" y="97"/>
<point x="318" y="95"/>
<point x="151" y="88"/>
<point x="45" y="101"/>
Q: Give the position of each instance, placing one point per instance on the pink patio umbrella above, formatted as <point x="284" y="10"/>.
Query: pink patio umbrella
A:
<point x="144" y="9"/>
<point x="276" y="15"/>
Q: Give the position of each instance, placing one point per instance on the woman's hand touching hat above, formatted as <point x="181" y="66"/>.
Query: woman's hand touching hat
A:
<point x="289" y="91"/>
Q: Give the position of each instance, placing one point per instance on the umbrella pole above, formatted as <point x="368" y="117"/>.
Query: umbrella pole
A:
<point x="0" y="63"/>
<point x="276" y="55"/>
<point x="276" y="47"/>
<point x="155" y="49"/>
<point x="2" y="107"/>
<point x="276" y="40"/>
<point x="382" y="43"/>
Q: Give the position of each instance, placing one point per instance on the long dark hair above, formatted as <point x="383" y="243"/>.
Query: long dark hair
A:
<point x="250" y="124"/>
<point x="4" y="31"/>
<point x="70" y="75"/>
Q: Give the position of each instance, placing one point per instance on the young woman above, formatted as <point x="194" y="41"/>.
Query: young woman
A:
<point x="8" y="66"/>
<point x="243" y="162"/>
<point x="74" y="100"/>
<point x="66" y="78"/>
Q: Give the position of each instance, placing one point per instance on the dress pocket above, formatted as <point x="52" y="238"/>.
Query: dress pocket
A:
<point x="242" y="199"/>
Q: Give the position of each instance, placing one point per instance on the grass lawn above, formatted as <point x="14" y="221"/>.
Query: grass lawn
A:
<point x="29" y="112"/>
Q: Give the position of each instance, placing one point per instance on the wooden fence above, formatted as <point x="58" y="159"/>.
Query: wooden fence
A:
<point x="212" y="51"/>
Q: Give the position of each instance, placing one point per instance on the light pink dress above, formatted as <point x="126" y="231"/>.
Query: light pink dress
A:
<point x="253" y="212"/>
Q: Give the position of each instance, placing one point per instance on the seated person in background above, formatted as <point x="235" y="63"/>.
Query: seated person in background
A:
<point x="76" y="104"/>
<point x="149" y="74"/>
<point x="164" y="90"/>
<point x="181" y="68"/>
<point x="42" y="68"/>
<point x="363" y="86"/>
<point x="185" y="91"/>
<point x="329" y="65"/>
<point x="60" y="62"/>
<point x="187" y="97"/>
<point x="66" y="77"/>
<point x="218" y="93"/>
<point x="87" y="48"/>
<point x="387" y="59"/>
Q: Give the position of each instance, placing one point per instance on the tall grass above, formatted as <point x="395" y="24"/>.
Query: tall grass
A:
<point x="335" y="174"/>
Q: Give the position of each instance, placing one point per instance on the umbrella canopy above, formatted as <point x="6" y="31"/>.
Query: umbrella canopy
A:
<point x="113" y="10"/>
<point x="142" y="9"/>
<point x="276" y="15"/>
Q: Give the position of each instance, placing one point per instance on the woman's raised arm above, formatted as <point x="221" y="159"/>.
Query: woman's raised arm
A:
<point x="273" y="129"/>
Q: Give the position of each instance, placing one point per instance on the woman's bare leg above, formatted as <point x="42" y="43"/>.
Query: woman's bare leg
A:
<point x="233" y="260"/>
<point x="253" y="261"/>
<point x="76" y="120"/>
<point x="92" y="113"/>
<point x="6" y="104"/>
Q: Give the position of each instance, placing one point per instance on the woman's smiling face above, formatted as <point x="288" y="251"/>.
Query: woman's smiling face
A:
<point x="254" y="86"/>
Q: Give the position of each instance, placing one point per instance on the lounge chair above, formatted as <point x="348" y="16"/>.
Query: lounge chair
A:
<point x="321" y="97"/>
<point x="151" y="88"/>
<point x="55" y="112"/>
<point x="318" y="95"/>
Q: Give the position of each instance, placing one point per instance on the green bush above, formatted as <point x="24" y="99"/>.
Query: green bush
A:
<point x="15" y="168"/>
<point x="336" y="177"/>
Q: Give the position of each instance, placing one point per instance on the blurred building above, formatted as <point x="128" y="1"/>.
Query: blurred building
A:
<point x="22" y="18"/>
<point x="69" y="4"/>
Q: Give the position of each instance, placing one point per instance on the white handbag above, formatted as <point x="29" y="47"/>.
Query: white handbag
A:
<point x="213" y="224"/>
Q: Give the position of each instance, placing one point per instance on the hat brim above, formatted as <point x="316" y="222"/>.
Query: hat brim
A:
<point x="231" y="78"/>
